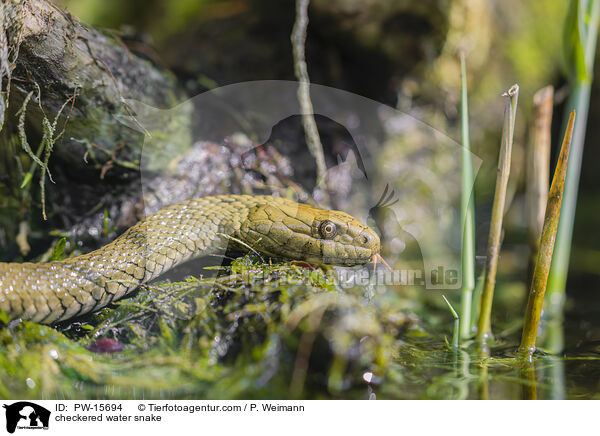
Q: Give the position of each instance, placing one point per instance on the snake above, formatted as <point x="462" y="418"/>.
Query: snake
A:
<point x="59" y="290"/>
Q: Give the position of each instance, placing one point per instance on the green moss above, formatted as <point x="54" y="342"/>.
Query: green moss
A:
<point x="265" y="331"/>
<point x="252" y="330"/>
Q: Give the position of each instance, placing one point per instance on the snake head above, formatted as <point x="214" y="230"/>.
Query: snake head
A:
<point x="285" y="229"/>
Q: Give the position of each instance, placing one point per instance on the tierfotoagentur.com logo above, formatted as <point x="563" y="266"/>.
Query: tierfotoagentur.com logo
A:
<point x="394" y="173"/>
<point x="350" y="277"/>
<point x="24" y="415"/>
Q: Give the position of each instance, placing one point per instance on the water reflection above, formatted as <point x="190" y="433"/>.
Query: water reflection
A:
<point x="434" y="371"/>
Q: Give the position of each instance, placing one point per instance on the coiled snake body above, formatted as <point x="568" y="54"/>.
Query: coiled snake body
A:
<point x="59" y="290"/>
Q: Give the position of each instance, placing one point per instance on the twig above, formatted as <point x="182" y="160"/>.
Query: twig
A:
<point x="298" y="39"/>
<point x="542" y="266"/>
<point x="242" y="243"/>
<point x="491" y="265"/>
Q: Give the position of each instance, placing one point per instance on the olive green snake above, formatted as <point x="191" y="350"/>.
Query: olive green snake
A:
<point x="275" y="227"/>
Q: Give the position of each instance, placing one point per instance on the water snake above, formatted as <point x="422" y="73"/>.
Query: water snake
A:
<point x="275" y="227"/>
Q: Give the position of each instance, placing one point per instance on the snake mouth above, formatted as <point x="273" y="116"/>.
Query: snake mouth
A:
<point x="334" y="261"/>
<point x="320" y="259"/>
<point x="375" y="258"/>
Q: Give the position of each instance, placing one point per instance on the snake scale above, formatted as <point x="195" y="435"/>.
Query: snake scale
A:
<point x="275" y="227"/>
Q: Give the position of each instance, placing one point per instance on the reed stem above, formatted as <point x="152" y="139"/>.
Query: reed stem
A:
<point x="491" y="264"/>
<point x="542" y="266"/>
<point x="467" y="210"/>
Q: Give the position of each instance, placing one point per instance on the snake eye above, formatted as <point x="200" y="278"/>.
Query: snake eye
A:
<point x="327" y="229"/>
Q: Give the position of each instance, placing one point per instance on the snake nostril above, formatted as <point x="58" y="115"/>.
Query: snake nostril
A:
<point x="365" y="239"/>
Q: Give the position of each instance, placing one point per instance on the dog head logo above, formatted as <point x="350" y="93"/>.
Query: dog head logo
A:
<point x="26" y="415"/>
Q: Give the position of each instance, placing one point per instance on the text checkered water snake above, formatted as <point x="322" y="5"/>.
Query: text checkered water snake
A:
<point x="59" y="290"/>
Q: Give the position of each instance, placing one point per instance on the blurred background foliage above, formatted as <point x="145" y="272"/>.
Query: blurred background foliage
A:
<point x="408" y="47"/>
